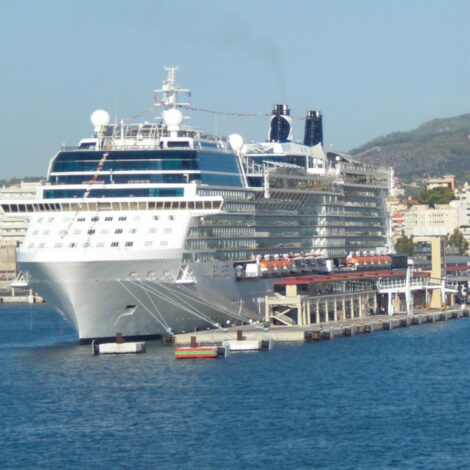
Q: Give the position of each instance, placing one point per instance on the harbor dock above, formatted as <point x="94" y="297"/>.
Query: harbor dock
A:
<point x="319" y="332"/>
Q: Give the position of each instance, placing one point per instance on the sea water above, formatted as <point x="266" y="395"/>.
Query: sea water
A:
<point x="398" y="399"/>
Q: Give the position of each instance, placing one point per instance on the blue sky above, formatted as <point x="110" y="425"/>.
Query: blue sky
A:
<point x="372" y="67"/>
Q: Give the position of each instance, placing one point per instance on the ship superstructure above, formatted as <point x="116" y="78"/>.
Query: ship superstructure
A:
<point x="156" y="227"/>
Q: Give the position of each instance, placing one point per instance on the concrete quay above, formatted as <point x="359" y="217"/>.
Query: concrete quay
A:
<point x="319" y="332"/>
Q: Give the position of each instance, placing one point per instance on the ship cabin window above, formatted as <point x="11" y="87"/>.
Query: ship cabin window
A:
<point x="155" y="217"/>
<point x="122" y="219"/>
<point x="31" y="245"/>
<point x="81" y="219"/>
<point x="148" y="243"/>
<point x="114" y="244"/>
<point x="100" y="244"/>
<point x="136" y="217"/>
<point x="299" y="160"/>
<point x="77" y="232"/>
<point x="46" y="232"/>
<point x="108" y="219"/>
<point x="171" y="217"/>
<point x="58" y="245"/>
<point x="129" y="243"/>
<point x="91" y="232"/>
<point x="177" y="143"/>
<point x="95" y="219"/>
<point x="72" y="245"/>
<point x="104" y="231"/>
<point x="87" y="145"/>
<point x="168" y="230"/>
<point x="50" y="219"/>
<point x="118" y="230"/>
<point x="152" y="230"/>
<point x="35" y="232"/>
<point x="132" y="230"/>
<point x="164" y="243"/>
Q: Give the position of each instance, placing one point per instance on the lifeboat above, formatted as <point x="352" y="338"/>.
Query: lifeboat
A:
<point x="286" y="264"/>
<point x="264" y="265"/>
<point x="352" y="261"/>
<point x="274" y="264"/>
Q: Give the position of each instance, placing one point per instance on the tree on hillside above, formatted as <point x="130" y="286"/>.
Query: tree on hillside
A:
<point x="404" y="245"/>
<point x="439" y="195"/>
<point x="457" y="240"/>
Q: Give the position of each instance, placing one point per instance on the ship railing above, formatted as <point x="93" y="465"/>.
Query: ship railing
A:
<point x="364" y="168"/>
<point x="252" y="168"/>
<point x="147" y="141"/>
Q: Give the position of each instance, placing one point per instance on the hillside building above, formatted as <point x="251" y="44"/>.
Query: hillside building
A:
<point x="396" y="209"/>
<point x="447" y="181"/>
<point x="443" y="218"/>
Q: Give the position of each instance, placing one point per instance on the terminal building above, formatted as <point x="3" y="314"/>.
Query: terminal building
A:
<point x="12" y="232"/>
<point x="422" y="283"/>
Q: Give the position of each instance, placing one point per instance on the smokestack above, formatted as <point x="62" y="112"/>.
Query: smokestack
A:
<point x="280" y="127"/>
<point x="313" y="128"/>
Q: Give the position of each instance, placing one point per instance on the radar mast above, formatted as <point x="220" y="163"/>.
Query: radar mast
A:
<point x="170" y="91"/>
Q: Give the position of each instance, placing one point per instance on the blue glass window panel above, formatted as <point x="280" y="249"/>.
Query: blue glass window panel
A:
<point x="272" y="158"/>
<point x="297" y="160"/>
<point x="124" y="179"/>
<point x="116" y="165"/>
<point x="219" y="162"/>
<point x="125" y="155"/>
<point x="221" y="180"/>
<point x="121" y="192"/>
<point x="154" y="160"/>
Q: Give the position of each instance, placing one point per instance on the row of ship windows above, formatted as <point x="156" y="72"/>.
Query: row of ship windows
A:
<point x="302" y="244"/>
<point x="267" y="230"/>
<point x="112" y="192"/>
<point x="119" y="165"/>
<point x="226" y="193"/>
<point x="105" y="231"/>
<point x="97" y="219"/>
<point x="245" y="255"/>
<point x="122" y="205"/>
<point x="114" y="244"/>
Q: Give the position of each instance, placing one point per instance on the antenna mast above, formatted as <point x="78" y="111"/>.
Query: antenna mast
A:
<point x="170" y="91"/>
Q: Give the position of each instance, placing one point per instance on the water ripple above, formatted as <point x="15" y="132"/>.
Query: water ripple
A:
<point x="390" y="400"/>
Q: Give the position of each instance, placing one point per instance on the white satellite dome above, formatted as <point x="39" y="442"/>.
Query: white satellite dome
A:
<point x="173" y="119"/>
<point x="236" y="142"/>
<point x="100" y="118"/>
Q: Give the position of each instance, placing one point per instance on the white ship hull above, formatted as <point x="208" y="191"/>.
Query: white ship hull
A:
<point x="100" y="299"/>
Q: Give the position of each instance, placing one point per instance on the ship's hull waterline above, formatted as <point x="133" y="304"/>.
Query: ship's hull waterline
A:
<point x="99" y="305"/>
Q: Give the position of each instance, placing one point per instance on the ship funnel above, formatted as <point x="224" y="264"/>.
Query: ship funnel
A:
<point x="280" y="127"/>
<point x="313" y="129"/>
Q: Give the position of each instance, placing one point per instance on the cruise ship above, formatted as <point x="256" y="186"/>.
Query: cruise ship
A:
<point x="154" y="228"/>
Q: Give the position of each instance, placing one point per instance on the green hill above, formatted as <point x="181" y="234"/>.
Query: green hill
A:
<point x="437" y="147"/>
